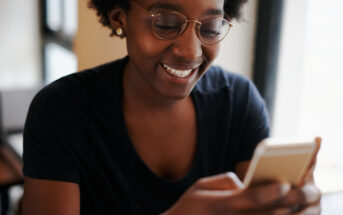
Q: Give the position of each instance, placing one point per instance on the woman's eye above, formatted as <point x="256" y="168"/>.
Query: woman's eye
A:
<point x="210" y="33"/>
<point x="166" y="27"/>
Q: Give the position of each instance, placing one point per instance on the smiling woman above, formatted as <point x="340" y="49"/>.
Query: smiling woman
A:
<point x="157" y="131"/>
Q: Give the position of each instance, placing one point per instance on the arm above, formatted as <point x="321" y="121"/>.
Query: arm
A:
<point x="43" y="197"/>
<point x="49" y="155"/>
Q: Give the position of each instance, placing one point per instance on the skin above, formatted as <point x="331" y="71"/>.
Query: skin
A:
<point x="150" y="93"/>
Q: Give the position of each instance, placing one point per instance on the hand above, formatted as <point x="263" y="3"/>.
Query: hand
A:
<point x="225" y="194"/>
<point x="305" y="198"/>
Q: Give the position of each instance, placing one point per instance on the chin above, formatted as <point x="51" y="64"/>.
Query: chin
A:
<point x="178" y="97"/>
<point x="175" y="96"/>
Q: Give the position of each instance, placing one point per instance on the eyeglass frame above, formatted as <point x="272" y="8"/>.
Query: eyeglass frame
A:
<point x="198" y="24"/>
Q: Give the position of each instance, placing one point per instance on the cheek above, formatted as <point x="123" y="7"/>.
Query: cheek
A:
<point x="140" y="40"/>
<point x="139" y="45"/>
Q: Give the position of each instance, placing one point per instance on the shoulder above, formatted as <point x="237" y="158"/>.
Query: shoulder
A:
<point x="223" y="87"/>
<point x="90" y="82"/>
<point x="217" y="80"/>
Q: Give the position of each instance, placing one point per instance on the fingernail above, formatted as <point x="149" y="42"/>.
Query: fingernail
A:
<point x="285" y="188"/>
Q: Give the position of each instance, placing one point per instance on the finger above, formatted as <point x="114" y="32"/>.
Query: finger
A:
<point x="319" y="143"/>
<point x="278" y="211"/>
<point x="311" y="210"/>
<point x="256" y="197"/>
<point x="309" y="174"/>
<point x="305" y="195"/>
<point x="316" y="151"/>
<point x="226" y="181"/>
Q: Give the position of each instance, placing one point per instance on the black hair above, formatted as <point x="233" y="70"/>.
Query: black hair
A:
<point x="232" y="8"/>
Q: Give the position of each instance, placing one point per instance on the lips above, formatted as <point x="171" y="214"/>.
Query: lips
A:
<point x="176" y="72"/>
<point x="180" y="71"/>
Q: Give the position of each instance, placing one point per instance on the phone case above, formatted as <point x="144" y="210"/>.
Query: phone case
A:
<point x="282" y="160"/>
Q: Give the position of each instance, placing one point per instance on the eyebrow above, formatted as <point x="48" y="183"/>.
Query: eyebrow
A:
<point x="167" y="6"/>
<point x="214" y="12"/>
<point x="178" y="8"/>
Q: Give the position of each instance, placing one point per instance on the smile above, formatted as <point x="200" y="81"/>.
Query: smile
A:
<point x="176" y="72"/>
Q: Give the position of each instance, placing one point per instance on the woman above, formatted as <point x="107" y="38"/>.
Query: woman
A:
<point x="157" y="131"/>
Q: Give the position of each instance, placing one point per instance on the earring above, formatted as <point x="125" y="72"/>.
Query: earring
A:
<point x="119" y="31"/>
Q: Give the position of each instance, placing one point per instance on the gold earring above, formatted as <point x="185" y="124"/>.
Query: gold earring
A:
<point x="119" y="31"/>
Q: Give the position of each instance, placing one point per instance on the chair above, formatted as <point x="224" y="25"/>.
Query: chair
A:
<point x="14" y="105"/>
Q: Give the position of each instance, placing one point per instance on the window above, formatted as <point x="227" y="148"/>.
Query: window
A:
<point x="59" y="27"/>
<point x="309" y="98"/>
<point x="20" y="58"/>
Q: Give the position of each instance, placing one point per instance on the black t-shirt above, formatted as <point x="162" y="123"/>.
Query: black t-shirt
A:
<point x="75" y="132"/>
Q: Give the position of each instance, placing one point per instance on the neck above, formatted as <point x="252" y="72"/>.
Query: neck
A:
<point x="139" y="95"/>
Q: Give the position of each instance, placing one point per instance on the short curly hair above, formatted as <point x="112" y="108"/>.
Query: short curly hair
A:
<point x="232" y="9"/>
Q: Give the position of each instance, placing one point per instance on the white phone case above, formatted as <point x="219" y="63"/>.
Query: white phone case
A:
<point x="280" y="159"/>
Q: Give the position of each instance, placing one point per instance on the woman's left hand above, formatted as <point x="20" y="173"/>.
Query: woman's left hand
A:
<point x="305" y="198"/>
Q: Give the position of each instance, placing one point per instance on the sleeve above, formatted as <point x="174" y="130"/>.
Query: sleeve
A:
<point x="255" y="122"/>
<point x="46" y="153"/>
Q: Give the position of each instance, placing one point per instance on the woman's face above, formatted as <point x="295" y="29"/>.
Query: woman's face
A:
<point x="169" y="68"/>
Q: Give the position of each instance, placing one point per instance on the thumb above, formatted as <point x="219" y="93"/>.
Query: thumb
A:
<point x="225" y="181"/>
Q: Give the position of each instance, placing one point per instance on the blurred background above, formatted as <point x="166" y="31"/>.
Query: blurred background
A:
<point x="291" y="49"/>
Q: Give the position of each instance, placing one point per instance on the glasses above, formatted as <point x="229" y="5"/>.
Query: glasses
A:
<point x="170" y="25"/>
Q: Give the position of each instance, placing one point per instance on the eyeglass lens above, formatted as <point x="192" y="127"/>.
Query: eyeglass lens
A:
<point x="171" y="25"/>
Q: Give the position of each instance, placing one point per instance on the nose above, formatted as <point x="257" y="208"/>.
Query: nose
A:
<point x="188" y="46"/>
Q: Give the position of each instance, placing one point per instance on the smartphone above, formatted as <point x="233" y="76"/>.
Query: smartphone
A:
<point x="284" y="160"/>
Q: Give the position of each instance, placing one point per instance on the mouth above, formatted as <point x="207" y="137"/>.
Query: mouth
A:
<point x="180" y="72"/>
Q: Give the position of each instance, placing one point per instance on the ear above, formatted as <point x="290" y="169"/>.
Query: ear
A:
<point x="117" y="18"/>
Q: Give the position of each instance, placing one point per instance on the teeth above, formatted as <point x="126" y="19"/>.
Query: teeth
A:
<point x="178" y="73"/>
